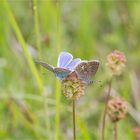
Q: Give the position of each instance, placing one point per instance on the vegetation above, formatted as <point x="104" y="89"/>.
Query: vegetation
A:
<point x="32" y="105"/>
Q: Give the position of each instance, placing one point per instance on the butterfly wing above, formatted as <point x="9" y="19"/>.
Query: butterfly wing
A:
<point x="64" y="59"/>
<point x="61" y="72"/>
<point x="45" y="65"/>
<point x="87" y="69"/>
<point x="71" y="66"/>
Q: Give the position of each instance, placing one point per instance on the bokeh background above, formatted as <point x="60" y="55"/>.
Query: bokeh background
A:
<point x="32" y="106"/>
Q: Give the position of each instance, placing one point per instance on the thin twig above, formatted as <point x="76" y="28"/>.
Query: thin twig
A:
<point x="74" y="126"/>
<point x="104" y="115"/>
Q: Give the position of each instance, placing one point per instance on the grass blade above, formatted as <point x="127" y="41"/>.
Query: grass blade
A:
<point x="24" y="46"/>
<point x="58" y="89"/>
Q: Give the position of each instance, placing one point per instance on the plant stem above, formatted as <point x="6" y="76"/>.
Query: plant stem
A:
<point x="115" y="131"/>
<point x="74" y="125"/>
<point x="105" y="110"/>
<point x="58" y="105"/>
<point x="47" y="120"/>
<point x="37" y="33"/>
<point x="58" y="87"/>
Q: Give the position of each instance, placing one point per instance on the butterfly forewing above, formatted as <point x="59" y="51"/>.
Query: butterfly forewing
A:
<point x="93" y="67"/>
<point x="45" y="65"/>
<point x="87" y="69"/>
<point x="59" y="72"/>
<point x="73" y="64"/>
<point x="64" y="59"/>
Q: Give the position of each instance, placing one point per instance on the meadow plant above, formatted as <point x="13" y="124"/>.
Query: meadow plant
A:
<point x="73" y="88"/>
<point x="115" y="64"/>
<point x="116" y="110"/>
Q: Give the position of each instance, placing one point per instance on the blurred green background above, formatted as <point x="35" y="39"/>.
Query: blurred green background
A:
<point x="32" y="106"/>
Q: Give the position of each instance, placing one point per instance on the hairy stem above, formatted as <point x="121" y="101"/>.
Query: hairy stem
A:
<point x="105" y="110"/>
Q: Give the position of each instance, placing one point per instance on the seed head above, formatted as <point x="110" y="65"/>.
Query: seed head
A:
<point x="116" y="62"/>
<point x="116" y="109"/>
<point x="73" y="87"/>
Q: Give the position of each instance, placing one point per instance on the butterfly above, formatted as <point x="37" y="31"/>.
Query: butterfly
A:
<point x="85" y="70"/>
<point x="65" y="65"/>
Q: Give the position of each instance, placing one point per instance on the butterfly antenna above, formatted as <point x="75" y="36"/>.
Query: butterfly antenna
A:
<point x="95" y="81"/>
<point x="100" y="83"/>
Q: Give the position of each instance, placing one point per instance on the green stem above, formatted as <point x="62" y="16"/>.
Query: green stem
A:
<point x="37" y="33"/>
<point x="38" y="45"/>
<point x="57" y="116"/>
<point x="73" y="117"/>
<point x="115" y="131"/>
<point x="105" y="111"/>
<point x="47" y="119"/>
<point x="58" y="89"/>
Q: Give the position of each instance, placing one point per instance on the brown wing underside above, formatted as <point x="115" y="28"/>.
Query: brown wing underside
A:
<point x="61" y="70"/>
<point x="87" y="69"/>
<point x="45" y="65"/>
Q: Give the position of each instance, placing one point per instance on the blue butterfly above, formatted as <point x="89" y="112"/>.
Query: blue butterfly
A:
<point x="65" y="65"/>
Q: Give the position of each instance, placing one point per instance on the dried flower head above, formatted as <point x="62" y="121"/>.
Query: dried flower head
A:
<point x="116" y="109"/>
<point x="116" y="62"/>
<point x="73" y="87"/>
